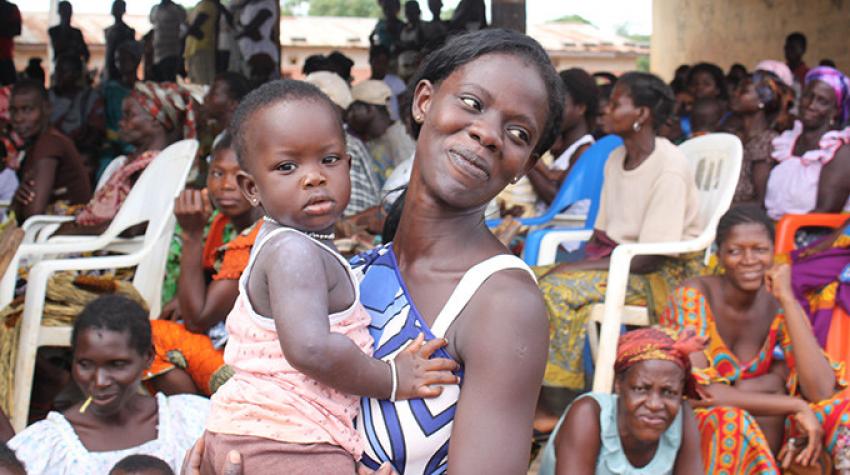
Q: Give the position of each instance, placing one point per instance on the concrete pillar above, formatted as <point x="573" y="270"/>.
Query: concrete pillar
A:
<point x="735" y="31"/>
<point x="509" y="14"/>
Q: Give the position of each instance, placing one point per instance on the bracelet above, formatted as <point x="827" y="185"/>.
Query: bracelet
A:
<point x="394" y="372"/>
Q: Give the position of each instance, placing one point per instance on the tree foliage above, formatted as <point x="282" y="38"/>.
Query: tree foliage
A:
<point x="349" y="8"/>
<point x="573" y="19"/>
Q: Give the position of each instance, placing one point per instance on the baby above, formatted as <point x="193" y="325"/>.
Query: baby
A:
<point x="298" y="339"/>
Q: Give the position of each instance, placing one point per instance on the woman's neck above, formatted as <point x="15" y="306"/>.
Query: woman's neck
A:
<point x="428" y="229"/>
<point x="125" y="416"/>
<point x="639" y="146"/>
<point x="637" y="452"/>
<point x="245" y="220"/>
<point x="737" y="298"/>
<point x="574" y="133"/>
<point x="810" y="138"/>
<point x="151" y="142"/>
<point x="754" y="123"/>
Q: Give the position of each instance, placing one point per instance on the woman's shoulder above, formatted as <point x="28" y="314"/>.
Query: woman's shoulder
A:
<point x="186" y="414"/>
<point x="45" y="443"/>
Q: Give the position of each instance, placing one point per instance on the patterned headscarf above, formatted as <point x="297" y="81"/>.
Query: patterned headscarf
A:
<point x="776" y="96"/>
<point x="778" y="68"/>
<point x="838" y="82"/>
<point x="170" y="104"/>
<point x="660" y="344"/>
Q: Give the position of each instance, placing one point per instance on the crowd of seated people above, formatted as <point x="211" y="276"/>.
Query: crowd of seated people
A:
<point x="263" y="366"/>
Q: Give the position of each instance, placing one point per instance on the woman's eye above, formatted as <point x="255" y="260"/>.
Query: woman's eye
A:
<point x="286" y="167"/>
<point x="471" y="102"/>
<point x="330" y="160"/>
<point x="83" y="364"/>
<point x="119" y="364"/>
<point x="520" y="134"/>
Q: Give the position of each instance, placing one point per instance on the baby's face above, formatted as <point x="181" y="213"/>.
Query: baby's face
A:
<point x="297" y="159"/>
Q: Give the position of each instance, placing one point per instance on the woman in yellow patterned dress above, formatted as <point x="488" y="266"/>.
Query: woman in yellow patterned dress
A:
<point x="771" y="388"/>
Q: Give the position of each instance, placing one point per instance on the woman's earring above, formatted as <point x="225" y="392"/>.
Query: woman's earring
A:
<point x="761" y="105"/>
<point x="516" y="179"/>
<point x="636" y="126"/>
<point x="417" y="119"/>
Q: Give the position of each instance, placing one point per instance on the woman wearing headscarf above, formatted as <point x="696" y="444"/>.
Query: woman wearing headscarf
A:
<point x="646" y="426"/>
<point x="813" y="174"/>
<point x="760" y="106"/>
<point x="154" y="115"/>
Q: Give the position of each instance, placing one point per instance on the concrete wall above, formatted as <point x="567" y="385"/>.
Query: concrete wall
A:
<point x="746" y="31"/>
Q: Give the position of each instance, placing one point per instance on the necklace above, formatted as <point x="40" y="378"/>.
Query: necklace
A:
<point x="316" y="236"/>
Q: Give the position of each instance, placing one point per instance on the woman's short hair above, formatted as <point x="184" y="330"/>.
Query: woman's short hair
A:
<point x="464" y="49"/>
<point x="648" y="90"/>
<point x="119" y="314"/>
<point x="139" y="463"/>
<point x="582" y="89"/>
<point x="743" y="214"/>
<point x="716" y="74"/>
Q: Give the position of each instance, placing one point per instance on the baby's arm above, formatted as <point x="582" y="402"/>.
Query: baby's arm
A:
<point x="298" y="286"/>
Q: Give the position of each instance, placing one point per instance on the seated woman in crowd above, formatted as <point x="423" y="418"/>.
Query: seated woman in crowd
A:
<point x="648" y="195"/>
<point x="820" y="275"/>
<point x="155" y="115"/>
<point x="769" y="385"/>
<point x="645" y="426"/>
<point x="111" y="347"/>
<point x="704" y="80"/>
<point x="581" y="106"/>
<point x="189" y="355"/>
<point x="813" y="174"/>
<point x="52" y="172"/>
<point x="761" y="109"/>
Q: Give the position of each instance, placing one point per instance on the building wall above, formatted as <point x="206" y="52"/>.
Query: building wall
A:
<point x="745" y="31"/>
<point x="616" y="64"/>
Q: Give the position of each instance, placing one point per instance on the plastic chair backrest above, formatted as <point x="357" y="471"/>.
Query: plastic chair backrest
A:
<point x="788" y="225"/>
<point x="151" y="200"/>
<point x="585" y="180"/>
<point x="716" y="161"/>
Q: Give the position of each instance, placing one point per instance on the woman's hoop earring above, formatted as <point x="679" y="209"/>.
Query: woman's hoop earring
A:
<point x="636" y="126"/>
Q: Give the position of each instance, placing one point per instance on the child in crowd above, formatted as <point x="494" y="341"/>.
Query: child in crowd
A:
<point x="189" y="356"/>
<point x="140" y="464"/>
<point x="706" y="115"/>
<point x="298" y="339"/>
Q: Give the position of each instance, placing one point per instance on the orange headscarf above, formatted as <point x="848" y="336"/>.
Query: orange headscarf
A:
<point x="660" y="344"/>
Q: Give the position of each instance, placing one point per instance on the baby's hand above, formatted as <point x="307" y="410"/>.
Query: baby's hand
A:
<point x="417" y="373"/>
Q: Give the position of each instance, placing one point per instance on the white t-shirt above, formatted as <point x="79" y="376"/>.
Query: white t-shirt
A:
<point x="51" y="446"/>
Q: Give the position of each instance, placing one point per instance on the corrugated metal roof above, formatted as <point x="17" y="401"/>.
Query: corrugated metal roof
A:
<point x="337" y="32"/>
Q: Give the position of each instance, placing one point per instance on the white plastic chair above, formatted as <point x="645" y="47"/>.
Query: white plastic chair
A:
<point x="716" y="160"/>
<point x="150" y="200"/>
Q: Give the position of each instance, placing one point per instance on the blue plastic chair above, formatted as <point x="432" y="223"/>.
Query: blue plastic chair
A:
<point x="583" y="182"/>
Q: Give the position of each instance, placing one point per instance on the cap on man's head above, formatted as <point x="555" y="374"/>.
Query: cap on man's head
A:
<point x="372" y="91"/>
<point x="332" y="85"/>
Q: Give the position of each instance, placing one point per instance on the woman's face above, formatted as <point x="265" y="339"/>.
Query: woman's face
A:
<point x="702" y="84"/>
<point x="745" y="99"/>
<point x="746" y="253"/>
<point x="108" y="369"/>
<point x="136" y="123"/>
<point x="480" y="128"/>
<point x="621" y="113"/>
<point x="650" y="395"/>
<point x="817" y="105"/>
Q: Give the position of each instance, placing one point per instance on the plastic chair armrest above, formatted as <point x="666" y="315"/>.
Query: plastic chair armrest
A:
<point x="554" y="237"/>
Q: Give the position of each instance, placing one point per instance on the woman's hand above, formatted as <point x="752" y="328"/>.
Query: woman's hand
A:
<point x="810" y="444"/>
<point x="192" y="461"/>
<point x="170" y="311"/>
<point x="193" y="209"/>
<point x="384" y="469"/>
<point x="778" y="282"/>
<point x="417" y="372"/>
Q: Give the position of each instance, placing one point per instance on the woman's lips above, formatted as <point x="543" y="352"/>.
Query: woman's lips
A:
<point x="469" y="164"/>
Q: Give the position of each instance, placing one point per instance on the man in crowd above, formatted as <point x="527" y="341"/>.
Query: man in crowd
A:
<point x="201" y="42"/>
<point x="52" y="170"/>
<point x="10" y="27"/>
<point x="116" y="35"/>
<point x="166" y="19"/>
<point x="65" y="39"/>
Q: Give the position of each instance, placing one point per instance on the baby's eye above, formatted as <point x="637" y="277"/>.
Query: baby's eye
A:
<point x="286" y="167"/>
<point x="331" y="159"/>
<point x="520" y="134"/>
<point x="471" y="102"/>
